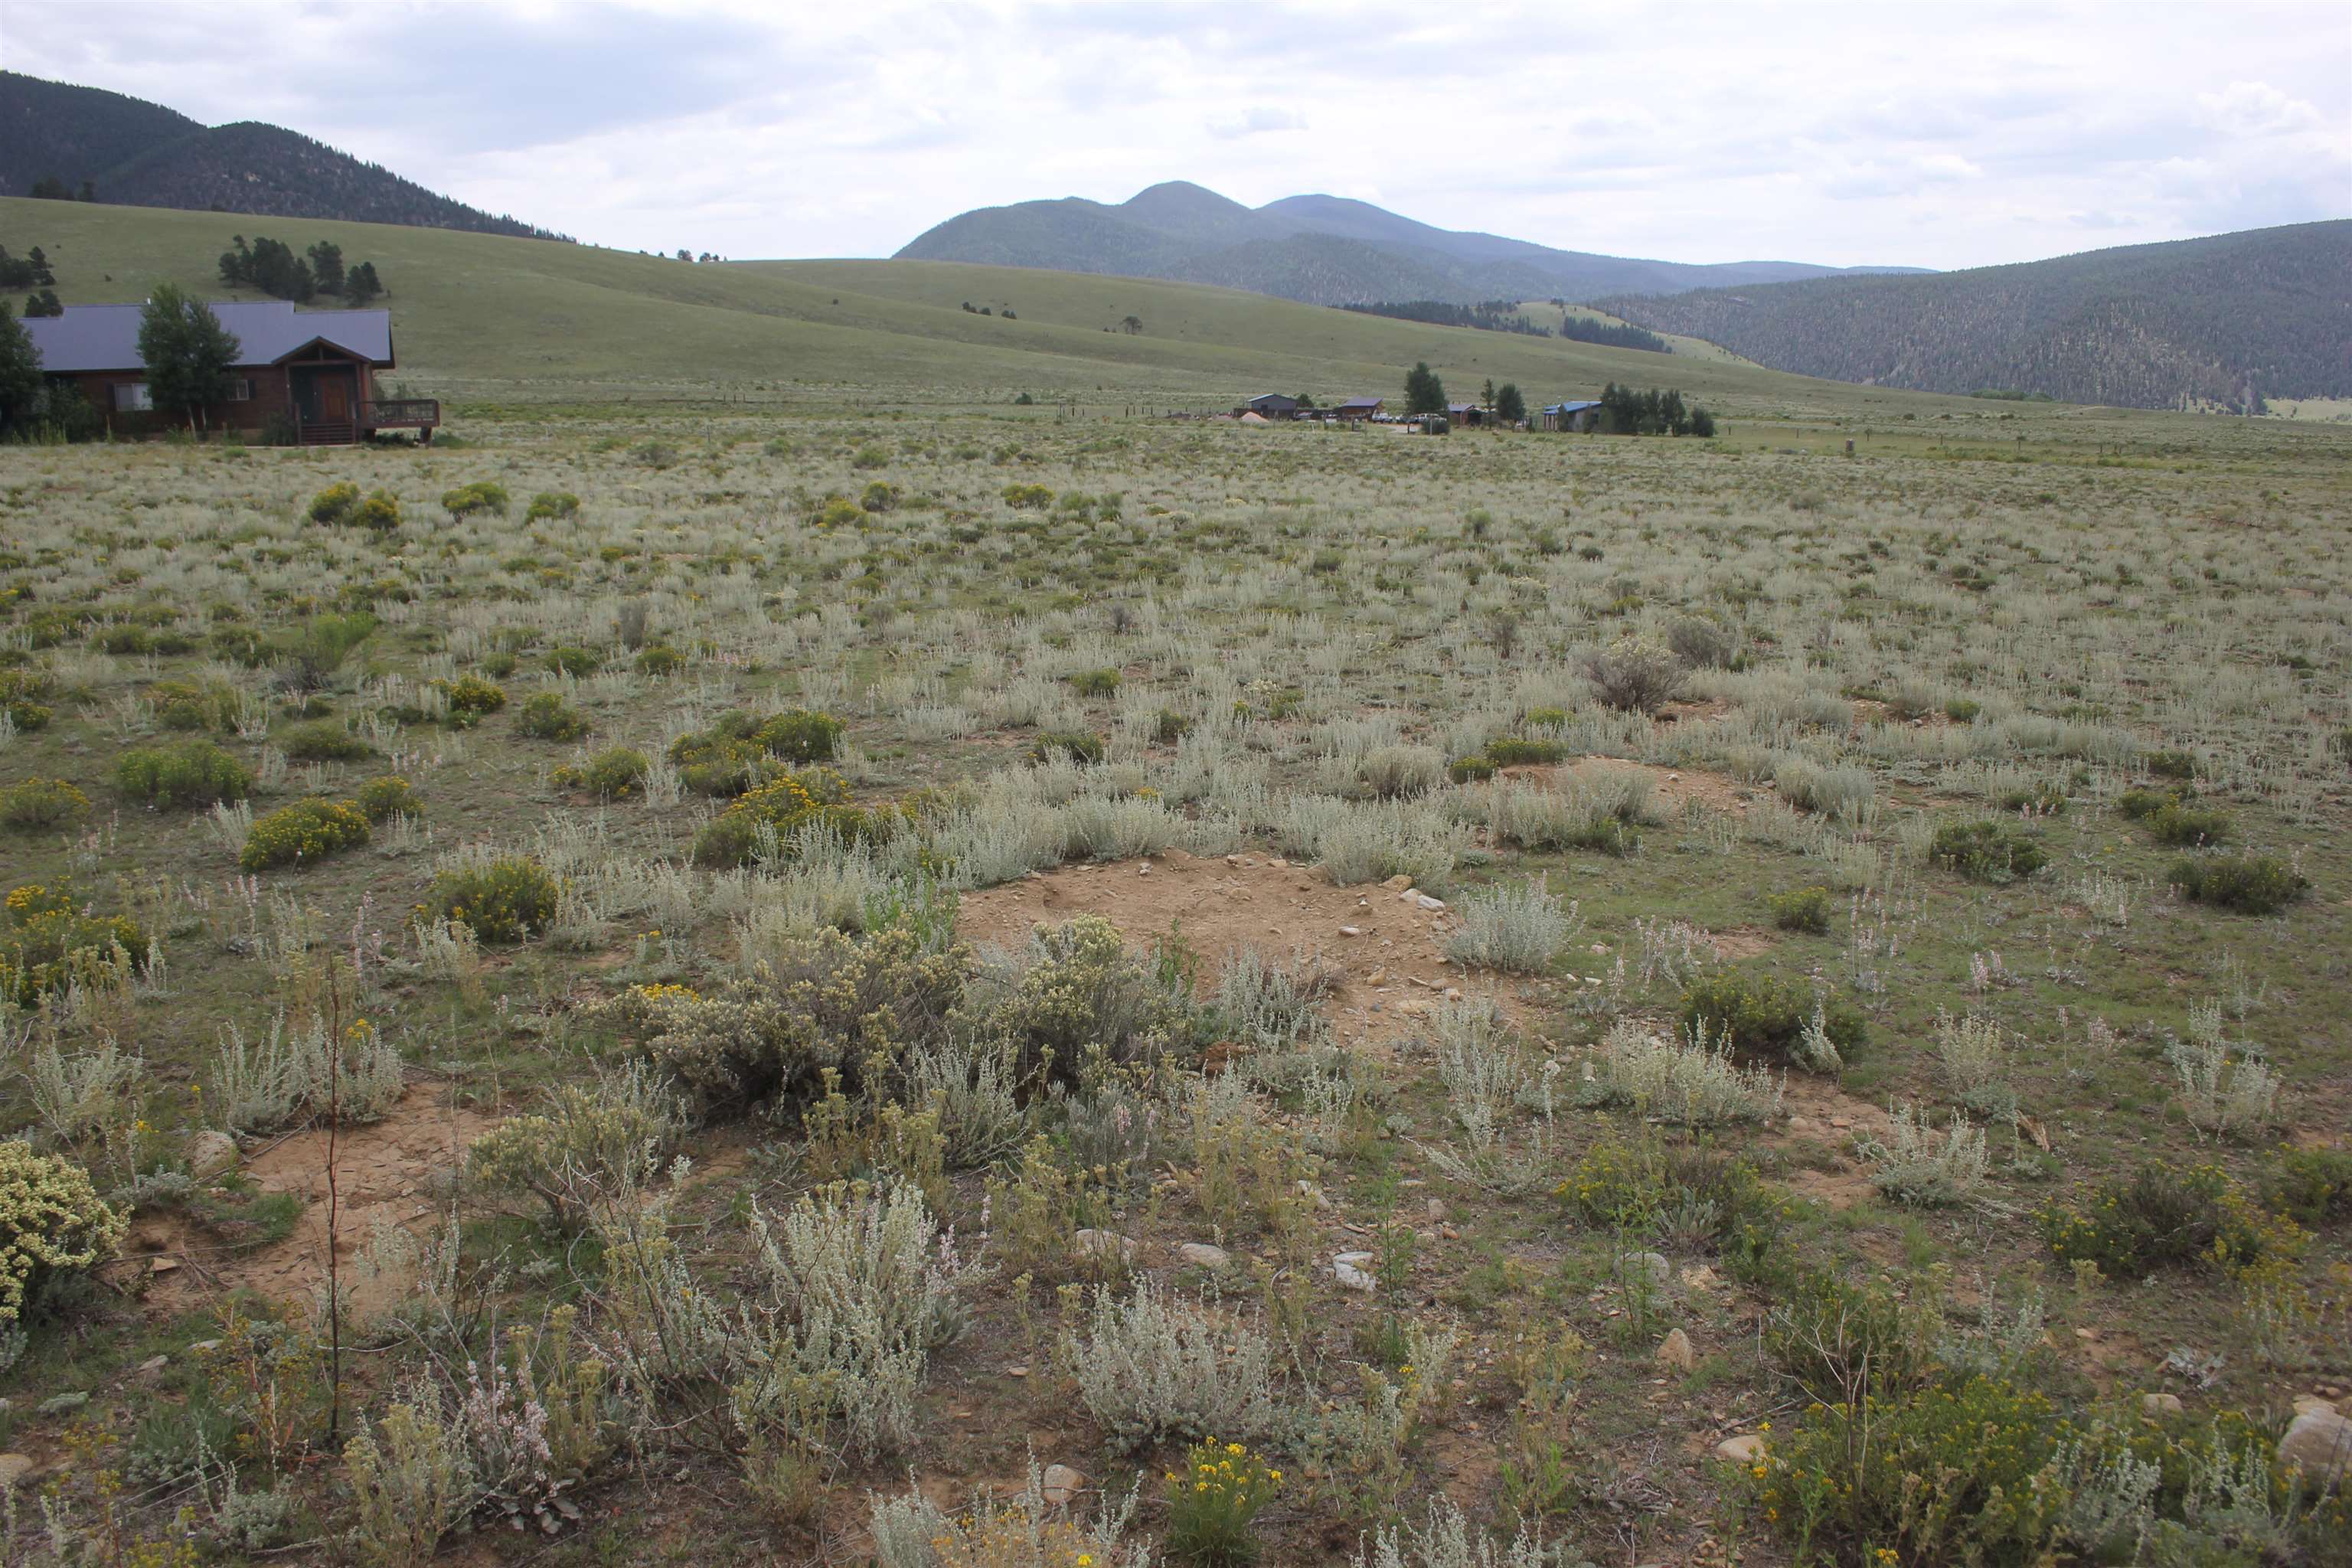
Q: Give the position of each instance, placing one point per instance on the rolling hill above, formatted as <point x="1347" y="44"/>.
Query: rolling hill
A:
<point x="142" y="155"/>
<point x="2222" y="320"/>
<point x="1323" y="250"/>
<point x="491" y="318"/>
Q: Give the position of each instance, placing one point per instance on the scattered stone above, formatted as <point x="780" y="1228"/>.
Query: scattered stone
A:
<point x="1674" y="1352"/>
<point x="1453" y="993"/>
<point x="1060" y="1484"/>
<point x="1437" y="1207"/>
<point x="1203" y="1254"/>
<point x="64" y="1404"/>
<point x="2159" y="1404"/>
<point x="1654" y="1265"/>
<point x="1144" y="869"/>
<point x="1348" y="1269"/>
<point x="1842" y="1123"/>
<point x="1426" y="902"/>
<point x="1700" y="1278"/>
<point x="2318" y="1444"/>
<point x="1103" y="1244"/>
<point x="14" y="1467"/>
<point x="1744" y="1450"/>
<point x="2307" y="1403"/>
<point x="1352" y="930"/>
<point x="1016" y="1372"/>
<point x="1398" y="883"/>
<point x="162" y="1265"/>
<point x="154" y="1363"/>
<point x="211" y="1153"/>
<point x="1377" y="977"/>
<point x="206" y="1347"/>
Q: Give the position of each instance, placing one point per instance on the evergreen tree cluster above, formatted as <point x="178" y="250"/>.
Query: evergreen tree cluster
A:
<point x="1625" y="411"/>
<point x="52" y="188"/>
<point x="1490" y="316"/>
<point x="1613" y="334"/>
<point x="31" y="273"/>
<point x="272" y="267"/>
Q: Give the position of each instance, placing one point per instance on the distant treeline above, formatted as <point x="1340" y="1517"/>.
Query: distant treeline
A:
<point x="1613" y="335"/>
<point x="1493" y="316"/>
<point x="271" y="266"/>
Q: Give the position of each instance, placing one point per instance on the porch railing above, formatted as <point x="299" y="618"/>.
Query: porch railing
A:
<point x="400" y="413"/>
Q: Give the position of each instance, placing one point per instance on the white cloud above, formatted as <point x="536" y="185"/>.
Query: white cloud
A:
<point x="1940" y="136"/>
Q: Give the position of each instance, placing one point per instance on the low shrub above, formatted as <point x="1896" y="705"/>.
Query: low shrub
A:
<point x="1476" y="768"/>
<point x="590" y="1143"/>
<point x="801" y="736"/>
<point x="1156" y="1365"/>
<point x="1399" y="773"/>
<point x="2247" y="884"/>
<point x="2142" y="804"/>
<point x="1519" y="930"/>
<point x="482" y="495"/>
<point x="194" y="773"/>
<point x="501" y="901"/>
<point x="1095" y="683"/>
<point x="1986" y="850"/>
<point x="1698" y="1194"/>
<point x="545" y="716"/>
<point x="2162" y="1217"/>
<point x="52" y="1223"/>
<point x="1703" y="642"/>
<point x="567" y="658"/>
<point x="193" y="705"/>
<point x="379" y="513"/>
<point x="1687" y="1082"/>
<point x="1079" y="748"/>
<point x="306" y="830"/>
<point x="1213" y="1500"/>
<point x="617" y="774"/>
<point x="1514" y="750"/>
<point x="1763" y="1017"/>
<point x="382" y="799"/>
<point x="2311" y="1186"/>
<point x="51" y="941"/>
<point x="2181" y="825"/>
<point x="767" y="821"/>
<point x="659" y="659"/>
<point x="470" y="698"/>
<point x="323" y="740"/>
<point x="24" y="696"/>
<point x="35" y="804"/>
<point x="742" y="750"/>
<point x="1028" y="498"/>
<point x="552" y="504"/>
<point x="2171" y="765"/>
<point x="335" y="505"/>
<point x="1801" y="909"/>
<point x="1634" y="677"/>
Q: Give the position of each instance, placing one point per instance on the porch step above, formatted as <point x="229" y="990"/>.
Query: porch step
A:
<point x="321" y="434"/>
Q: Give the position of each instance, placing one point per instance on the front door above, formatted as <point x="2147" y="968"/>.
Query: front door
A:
<point x="334" y="400"/>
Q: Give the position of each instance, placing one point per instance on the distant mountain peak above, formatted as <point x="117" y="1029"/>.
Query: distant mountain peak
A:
<point x="1319" y="248"/>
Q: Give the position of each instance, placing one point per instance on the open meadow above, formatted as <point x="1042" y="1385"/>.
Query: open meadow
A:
<point x="875" y="977"/>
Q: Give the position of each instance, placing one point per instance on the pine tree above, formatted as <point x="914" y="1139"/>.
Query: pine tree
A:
<point x="20" y="376"/>
<point x="361" y="284"/>
<point x="1423" y="392"/>
<point x="1511" y="407"/>
<point x="327" y="266"/>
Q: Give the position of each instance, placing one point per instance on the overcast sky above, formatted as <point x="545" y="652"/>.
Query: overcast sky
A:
<point x="1931" y="134"/>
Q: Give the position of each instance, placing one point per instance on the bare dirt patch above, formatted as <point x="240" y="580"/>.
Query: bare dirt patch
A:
<point x="1716" y="792"/>
<point x="1384" y="976"/>
<point x="1740" y="942"/>
<point x="388" y="1170"/>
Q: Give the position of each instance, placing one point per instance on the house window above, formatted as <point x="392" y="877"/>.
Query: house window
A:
<point x="131" y="397"/>
<point x="240" y="389"/>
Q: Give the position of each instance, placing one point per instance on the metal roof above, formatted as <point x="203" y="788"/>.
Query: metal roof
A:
<point x="1569" y="407"/>
<point x="1363" y="403"/>
<point x="106" y="337"/>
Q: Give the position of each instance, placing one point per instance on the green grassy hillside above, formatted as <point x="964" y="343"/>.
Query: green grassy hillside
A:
<point x="488" y="318"/>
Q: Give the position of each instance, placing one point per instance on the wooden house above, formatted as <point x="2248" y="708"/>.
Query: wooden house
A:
<point x="1359" y="407"/>
<point x="1577" y="416"/>
<point x="1271" y="405"/>
<point x="1468" y="415"/>
<point x="310" y="372"/>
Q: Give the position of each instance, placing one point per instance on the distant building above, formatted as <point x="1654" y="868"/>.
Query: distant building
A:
<point x="313" y="370"/>
<point x="1577" y="416"/>
<point x="1271" y="405"/>
<point x="1468" y="413"/>
<point x="1359" y="407"/>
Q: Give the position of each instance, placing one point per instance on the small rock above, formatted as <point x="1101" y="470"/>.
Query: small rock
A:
<point x="1397" y="884"/>
<point x="1203" y="1254"/>
<point x="1277" y="862"/>
<point x="1233" y="860"/>
<point x="1435" y="1208"/>
<point x="2318" y="1444"/>
<point x="14" y="1467"/>
<point x="2159" y="1404"/>
<point x="210" y="1154"/>
<point x="1743" y="1449"/>
<point x="1144" y="869"/>
<point x="1453" y="993"/>
<point x="64" y="1404"/>
<point x="1842" y="1123"/>
<point x="1674" y="1352"/>
<point x="1103" y="1244"/>
<point x="162" y="1265"/>
<point x="1426" y="902"/>
<point x="206" y="1347"/>
<point x="1348" y="1269"/>
<point x="1060" y="1484"/>
<point x="1377" y="977"/>
<point x="1016" y="1372"/>
<point x="1654" y="1265"/>
<point x="154" y="1363"/>
<point x="2306" y="1404"/>
<point x="1352" y="930"/>
<point x="1701" y="1277"/>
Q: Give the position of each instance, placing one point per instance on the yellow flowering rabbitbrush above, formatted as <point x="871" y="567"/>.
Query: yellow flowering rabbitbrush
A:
<point x="52" y="1221"/>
